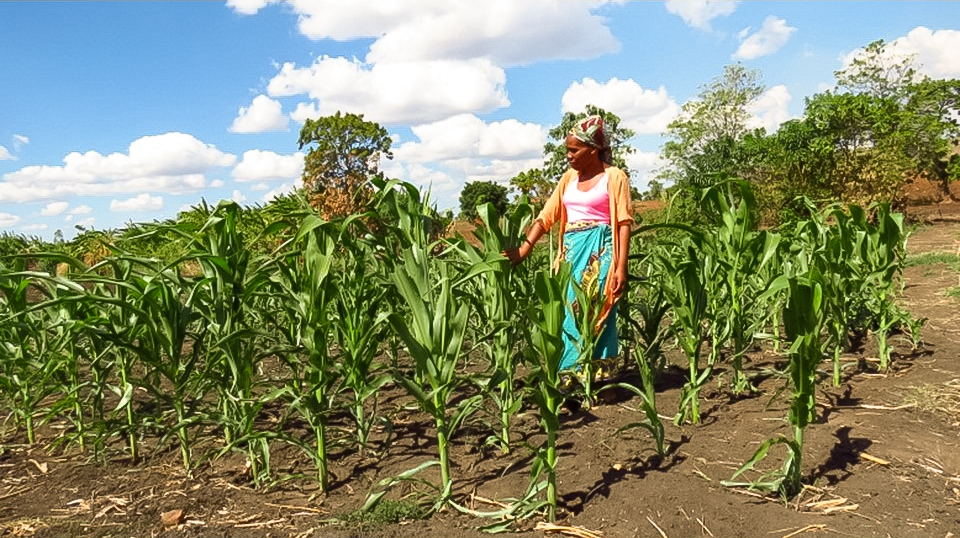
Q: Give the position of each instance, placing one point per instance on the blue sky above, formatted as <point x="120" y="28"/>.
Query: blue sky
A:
<point x="112" y="112"/>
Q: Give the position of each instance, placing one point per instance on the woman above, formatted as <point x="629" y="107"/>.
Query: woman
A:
<point x="592" y="204"/>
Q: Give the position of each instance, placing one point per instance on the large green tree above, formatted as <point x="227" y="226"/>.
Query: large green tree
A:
<point x="476" y="193"/>
<point x="703" y="140"/>
<point x="345" y="152"/>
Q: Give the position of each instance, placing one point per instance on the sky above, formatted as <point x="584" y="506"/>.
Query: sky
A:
<point x="119" y="112"/>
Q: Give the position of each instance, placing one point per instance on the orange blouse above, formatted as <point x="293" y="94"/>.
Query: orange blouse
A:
<point x="621" y="210"/>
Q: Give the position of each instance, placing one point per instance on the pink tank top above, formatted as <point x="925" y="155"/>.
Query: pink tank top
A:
<point x="592" y="205"/>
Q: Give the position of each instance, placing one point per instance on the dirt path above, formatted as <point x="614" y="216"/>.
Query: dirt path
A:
<point x="883" y="459"/>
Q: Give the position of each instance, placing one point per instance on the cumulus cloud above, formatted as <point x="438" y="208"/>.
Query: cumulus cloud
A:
<point x="452" y="152"/>
<point x="934" y="51"/>
<point x="263" y="114"/>
<point x="466" y="136"/>
<point x="171" y="162"/>
<point x="699" y="13"/>
<point x="284" y="188"/>
<point x="54" y="208"/>
<point x="396" y="92"/>
<point x="81" y="210"/>
<point x="142" y="202"/>
<point x="259" y="165"/>
<point x="217" y="183"/>
<point x="7" y="220"/>
<point x="768" y="39"/>
<point x="238" y="197"/>
<point x="249" y="7"/>
<point x="5" y="154"/>
<point x="770" y="110"/>
<point x="645" y="111"/>
<point x="643" y="167"/>
<point x="506" y="31"/>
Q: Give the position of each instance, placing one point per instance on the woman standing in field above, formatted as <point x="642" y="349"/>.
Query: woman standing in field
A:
<point x="592" y="204"/>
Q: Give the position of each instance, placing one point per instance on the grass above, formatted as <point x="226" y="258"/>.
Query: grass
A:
<point x="933" y="258"/>
<point x="937" y="398"/>
<point x="386" y="512"/>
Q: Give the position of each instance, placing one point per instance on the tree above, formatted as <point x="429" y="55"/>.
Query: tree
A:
<point x="535" y="185"/>
<point x="555" y="150"/>
<point x="704" y="137"/>
<point x="879" y="72"/>
<point x="480" y="192"/>
<point x="346" y="153"/>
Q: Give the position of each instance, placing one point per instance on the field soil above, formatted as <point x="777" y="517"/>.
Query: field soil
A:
<point x="881" y="460"/>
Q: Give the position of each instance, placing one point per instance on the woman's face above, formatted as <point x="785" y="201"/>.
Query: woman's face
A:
<point x="580" y="155"/>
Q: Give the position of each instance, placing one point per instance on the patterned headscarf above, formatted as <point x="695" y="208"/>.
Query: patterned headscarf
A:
<point x="590" y="132"/>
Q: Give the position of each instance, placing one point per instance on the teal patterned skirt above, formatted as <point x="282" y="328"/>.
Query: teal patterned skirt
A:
<point x="588" y="247"/>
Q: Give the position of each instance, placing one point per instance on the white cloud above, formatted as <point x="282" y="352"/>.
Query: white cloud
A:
<point x="19" y="141"/>
<point x="936" y="52"/>
<point x="461" y="149"/>
<point x="305" y="111"/>
<point x="171" y="162"/>
<point x="5" y="154"/>
<point x="506" y="31"/>
<point x="142" y="202"/>
<point x="81" y="210"/>
<point x="34" y="227"/>
<point x="54" y="208"/>
<point x="645" y="111"/>
<point x="643" y="167"/>
<point x="284" y="188"/>
<point x="238" y="197"/>
<point x="770" y="110"/>
<point x="261" y="186"/>
<point x="216" y="183"/>
<point x="699" y="13"/>
<point x="263" y="114"/>
<point x="7" y="220"/>
<point x="86" y="223"/>
<point x="768" y="39"/>
<point x="466" y="136"/>
<point x="249" y="7"/>
<point x="396" y="92"/>
<point x="259" y="165"/>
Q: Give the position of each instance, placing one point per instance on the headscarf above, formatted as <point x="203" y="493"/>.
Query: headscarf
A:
<point x="590" y="131"/>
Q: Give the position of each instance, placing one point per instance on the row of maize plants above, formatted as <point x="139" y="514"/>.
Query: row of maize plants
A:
<point x="235" y="349"/>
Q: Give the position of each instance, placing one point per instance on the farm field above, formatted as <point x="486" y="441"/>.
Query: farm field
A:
<point x="882" y="457"/>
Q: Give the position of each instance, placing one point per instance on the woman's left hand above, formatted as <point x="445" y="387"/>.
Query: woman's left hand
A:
<point x="619" y="283"/>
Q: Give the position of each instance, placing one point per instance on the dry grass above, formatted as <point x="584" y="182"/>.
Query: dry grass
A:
<point x="937" y="398"/>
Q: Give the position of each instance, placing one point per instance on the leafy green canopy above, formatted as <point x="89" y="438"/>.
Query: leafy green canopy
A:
<point x="476" y="193"/>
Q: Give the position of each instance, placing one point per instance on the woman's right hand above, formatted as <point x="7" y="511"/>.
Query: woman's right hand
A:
<point x="515" y="255"/>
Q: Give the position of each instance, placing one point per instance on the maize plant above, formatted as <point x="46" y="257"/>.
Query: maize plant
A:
<point x="803" y="320"/>
<point x="31" y="355"/>
<point x="434" y="335"/>
<point x="498" y="307"/>
<point x="647" y="335"/>
<point x="229" y="301"/>
<point x="684" y="285"/>
<point x="306" y="287"/>
<point x="359" y="324"/>
<point x="738" y="253"/>
<point x="544" y="386"/>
